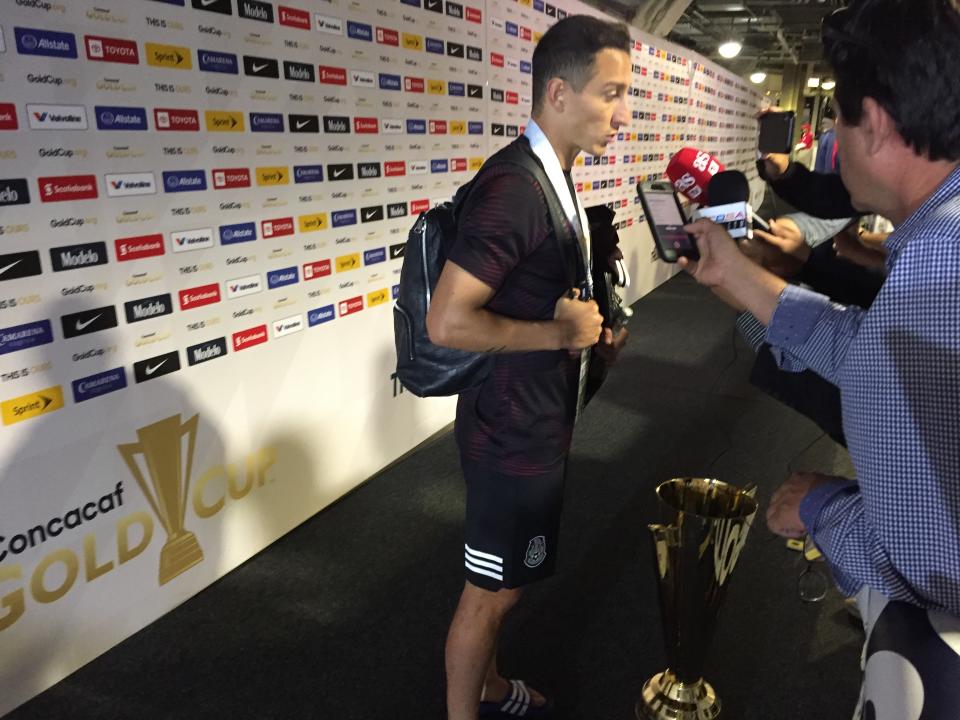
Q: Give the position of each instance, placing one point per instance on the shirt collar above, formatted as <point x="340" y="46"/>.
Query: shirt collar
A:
<point x="948" y="189"/>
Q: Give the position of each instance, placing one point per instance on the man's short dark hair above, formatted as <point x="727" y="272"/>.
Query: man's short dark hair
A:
<point x="567" y="50"/>
<point x="902" y="54"/>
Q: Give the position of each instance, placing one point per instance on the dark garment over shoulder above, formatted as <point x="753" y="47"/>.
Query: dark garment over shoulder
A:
<point x="520" y="420"/>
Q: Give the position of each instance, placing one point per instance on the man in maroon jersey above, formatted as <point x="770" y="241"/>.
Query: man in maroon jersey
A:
<point x="505" y="289"/>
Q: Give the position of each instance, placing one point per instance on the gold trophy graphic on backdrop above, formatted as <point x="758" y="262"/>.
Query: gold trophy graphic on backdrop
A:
<point x="696" y="549"/>
<point x="161" y="445"/>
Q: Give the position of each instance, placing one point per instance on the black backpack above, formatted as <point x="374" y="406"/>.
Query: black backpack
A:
<point x="429" y="370"/>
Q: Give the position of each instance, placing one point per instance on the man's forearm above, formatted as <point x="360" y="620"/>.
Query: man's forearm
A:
<point x="754" y="289"/>
<point x="485" y="331"/>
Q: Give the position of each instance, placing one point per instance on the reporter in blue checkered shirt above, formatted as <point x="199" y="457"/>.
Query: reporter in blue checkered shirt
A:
<point x="892" y="536"/>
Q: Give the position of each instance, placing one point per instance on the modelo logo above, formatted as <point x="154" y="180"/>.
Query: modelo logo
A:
<point x="241" y="287"/>
<point x="336" y="124"/>
<point x="14" y="266"/>
<point x="219" y="62"/>
<point x="199" y="296"/>
<point x="130" y="184"/>
<point x="57" y="117"/>
<point x="366" y="125"/>
<point x="212" y="349"/>
<point x="249" y="338"/>
<point x="300" y="72"/>
<point x="385" y="36"/>
<point x="32" y="41"/>
<point x="142" y="246"/>
<point x="148" y="308"/>
<point x="359" y="31"/>
<point x="396" y="210"/>
<point x="279" y="227"/>
<point x="189" y="240"/>
<point x="286" y="276"/>
<point x="307" y="173"/>
<point x="21" y="337"/>
<point x="120" y="118"/>
<point x="255" y="10"/>
<point x="314" y="270"/>
<point x="368" y="171"/>
<point x="266" y="122"/>
<point x="329" y="25"/>
<point x="333" y="75"/>
<point x="184" y="181"/>
<point x="496" y="95"/>
<point x="14" y="192"/>
<point x="227" y="178"/>
<point x="304" y="123"/>
<point x="342" y="218"/>
<point x="416" y="127"/>
<point x="320" y="315"/>
<point x="260" y="67"/>
<point x="157" y="366"/>
<point x="67" y="187"/>
<point x="512" y="130"/>
<point x="238" y="233"/>
<point x="170" y="120"/>
<point x="8" y="117"/>
<point x="73" y="257"/>
<point x="88" y="322"/>
<point x="292" y="17"/>
<point x="455" y="10"/>
<point x="414" y="84"/>
<point x="104" y="49"/>
<point x="372" y="257"/>
<point x="435" y="46"/>
<point x="390" y="82"/>
<point x="102" y="383"/>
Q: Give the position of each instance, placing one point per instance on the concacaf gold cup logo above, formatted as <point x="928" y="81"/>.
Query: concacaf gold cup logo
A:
<point x="161" y="461"/>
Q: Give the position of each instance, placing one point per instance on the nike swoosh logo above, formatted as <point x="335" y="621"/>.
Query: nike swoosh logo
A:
<point x="152" y="369"/>
<point x="206" y="3"/>
<point x="258" y="68"/>
<point x="4" y="269"/>
<point x="302" y="124"/>
<point x="86" y="323"/>
<point x="367" y="216"/>
<point x="336" y="173"/>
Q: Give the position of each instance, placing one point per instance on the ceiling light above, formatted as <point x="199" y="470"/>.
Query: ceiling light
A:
<point x="828" y="85"/>
<point x="813" y="82"/>
<point x="730" y="49"/>
<point x="758" y="77"/>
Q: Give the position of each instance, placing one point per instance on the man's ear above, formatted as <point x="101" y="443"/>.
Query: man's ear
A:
<point x="878" y="127"/>
<point x="556" y="91"/>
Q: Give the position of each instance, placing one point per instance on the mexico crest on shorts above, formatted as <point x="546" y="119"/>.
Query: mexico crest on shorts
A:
<point x="536" y="552"/>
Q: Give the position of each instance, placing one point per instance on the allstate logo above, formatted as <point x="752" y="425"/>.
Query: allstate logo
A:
<point x="29" y="41"/>
<point x="107" y="118"/>
<point x="173" y="182"/>
<point x="228" y="234"/>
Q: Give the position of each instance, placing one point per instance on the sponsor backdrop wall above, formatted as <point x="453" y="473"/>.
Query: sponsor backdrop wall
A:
<point x="203" y="209"/>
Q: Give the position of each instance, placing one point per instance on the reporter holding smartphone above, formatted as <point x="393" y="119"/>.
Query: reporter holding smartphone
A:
<point x="892" y="536"/>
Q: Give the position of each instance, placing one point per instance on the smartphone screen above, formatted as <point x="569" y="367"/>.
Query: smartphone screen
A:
<point x="667" y="224"/>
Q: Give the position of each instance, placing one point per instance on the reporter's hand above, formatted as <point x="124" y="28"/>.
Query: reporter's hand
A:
<point x="580" y="321"/>
<point x="718" y="253"/>
<point x="782" y="251"/>
<point x="775" y="165"/>
<point x="610" y="346"/>
<point x="847" y="244"/>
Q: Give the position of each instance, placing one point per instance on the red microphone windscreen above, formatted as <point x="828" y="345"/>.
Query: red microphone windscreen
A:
<point x="690" y="171"/>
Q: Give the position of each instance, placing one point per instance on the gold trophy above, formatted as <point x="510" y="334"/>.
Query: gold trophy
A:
<point x="696" y="550"/>
<point x="166" y="491"/>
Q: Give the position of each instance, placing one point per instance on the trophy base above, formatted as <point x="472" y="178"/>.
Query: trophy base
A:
<point x="179" y="554"/>
<point x="666" y="698"/>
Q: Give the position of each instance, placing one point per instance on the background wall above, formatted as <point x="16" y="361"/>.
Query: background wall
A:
<point x="203" y="205"/>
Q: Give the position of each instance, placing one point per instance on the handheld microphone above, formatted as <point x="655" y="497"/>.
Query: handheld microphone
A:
<point x="730" y="194"/>
<point x="690" y="171"/>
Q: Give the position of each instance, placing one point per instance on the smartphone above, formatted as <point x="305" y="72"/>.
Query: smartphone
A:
<point x="666" y="220"/>
<point x="776" y="132"/>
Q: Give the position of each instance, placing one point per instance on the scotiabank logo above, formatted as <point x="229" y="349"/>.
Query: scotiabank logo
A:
<point x="395" y="169"/>
<point x="248" y="338"/>
<point x="348" y="307"/>
<point x="496" y="59"/>
<point x="474" y="15"/>
<point x="226" y="178"/>
<point x="276" y="228"/>
<point x="142" y="246"/>
<point x="8" y="116"/>
<point x="419" y="206"/>
<point x="314" y="270"/>
<point x="199" y="296"/>
<point x="293" y="17"/>
<point x="366" y="125"/>
<point x="68" y="187"/>
<point x="333" y="75"/>
<point x="168" y="119"/>
<point x="512" y="97"/>
<point x="104" y="49"/>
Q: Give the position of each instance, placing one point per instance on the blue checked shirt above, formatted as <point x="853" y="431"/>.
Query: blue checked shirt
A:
<point x="897" y="365"/>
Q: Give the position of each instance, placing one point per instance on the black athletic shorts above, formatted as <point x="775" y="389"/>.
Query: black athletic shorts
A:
<point x="512" y="526"/>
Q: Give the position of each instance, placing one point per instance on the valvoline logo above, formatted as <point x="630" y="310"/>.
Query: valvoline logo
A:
<point x="184" y="181"/>
<point x="34" y="41"/>
<point x="120" y="118"/>
<point x="286" y="276"/>
<point x="220" y="62"/>
<point x="238" y="233"/>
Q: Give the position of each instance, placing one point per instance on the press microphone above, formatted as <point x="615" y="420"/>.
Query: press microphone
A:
<point x="729" y="193"/>
<point x="690" y="171"/>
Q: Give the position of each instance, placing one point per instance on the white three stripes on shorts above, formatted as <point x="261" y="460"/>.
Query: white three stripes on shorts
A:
<point x="483" y="563"/>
